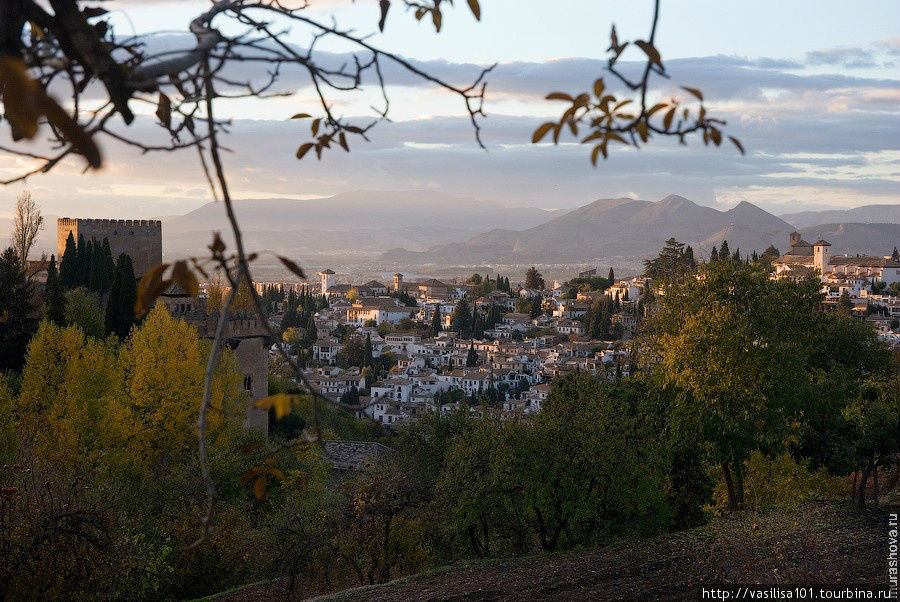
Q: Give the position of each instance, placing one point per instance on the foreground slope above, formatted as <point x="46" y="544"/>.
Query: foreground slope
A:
<point x="814" y="542"/>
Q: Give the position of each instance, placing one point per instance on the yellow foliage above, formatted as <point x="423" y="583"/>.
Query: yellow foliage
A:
<point x="164" y="364"/>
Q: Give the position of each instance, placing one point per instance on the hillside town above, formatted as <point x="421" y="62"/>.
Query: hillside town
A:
<point x="392" y="351"/>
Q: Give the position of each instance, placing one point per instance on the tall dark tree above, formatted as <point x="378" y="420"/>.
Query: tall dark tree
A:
<point x="534" y="279"/>
<point x="671" y="263"/>
<point x="311" y="332"/>
<point x="461" y="320"/>
<point x="120" y="306"/>
<point x="54" y="298"/>
<point x="369" y="356"/>
<point x="68" y="264"/>
<point x="472" y="356"/>
<point x="436" y="321"/>
<point x="107" y="267"/>
<point x="714" y="255"/>
<point x="689" y="257"/>
<point x="17" y="320"/>
<point x="478" y="326"/>
<point x="536" y="307"/>
<point x="895" y="255"/>
<point x="611" y="277"/>
<point x="83" y="263"/>
<point x="724" y="252"/>
<point x="95" y="275"/>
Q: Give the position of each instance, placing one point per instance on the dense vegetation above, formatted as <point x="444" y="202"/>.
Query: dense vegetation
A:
<point x="747" y="394"/>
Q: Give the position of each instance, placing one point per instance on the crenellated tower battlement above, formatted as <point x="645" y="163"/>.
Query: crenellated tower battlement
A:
<point x="139" y="238"/>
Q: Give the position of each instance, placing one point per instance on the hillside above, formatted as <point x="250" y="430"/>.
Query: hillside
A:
<point x="863" y="239"/>
<point x="815" y="542"/>
<point x="867" y="214"/>
<point x="621" y="231"/>
<point x="356" y="222"/>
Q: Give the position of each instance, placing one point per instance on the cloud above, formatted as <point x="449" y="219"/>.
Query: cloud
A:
<point x="846" y="56"/>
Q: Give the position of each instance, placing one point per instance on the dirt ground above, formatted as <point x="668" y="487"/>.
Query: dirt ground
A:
<point x="814" y="543"/>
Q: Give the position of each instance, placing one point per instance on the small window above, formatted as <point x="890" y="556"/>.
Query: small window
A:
<point x="248" y="383"/>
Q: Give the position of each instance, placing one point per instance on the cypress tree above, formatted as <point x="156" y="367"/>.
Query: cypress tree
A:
<point x="120" y="306"/>
<point x="54" y="298"/>
<point x="611" y="278"/>
<point x="714" y="255"/>
<point x="460" y="320"/>
<point x="369" y="357"/>
<point x="724" y="252"/>
<point x="689" y="260"/>
<point x="16" y="322"/>
<point x="68" y="264"/>
<point x="436" y="321"/>
<point x="311" y="332"/>
<point x="95" y="277"/>
<point x="83" y="263"/>
<point x="107" y="267"/>
<point x="472" y="356"/>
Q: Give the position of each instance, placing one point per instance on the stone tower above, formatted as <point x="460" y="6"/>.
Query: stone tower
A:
<point x="326" y="280"/>
<point x="821" y="256"/>
<point x="398" y="282"/>
<point x="139" y="238"/>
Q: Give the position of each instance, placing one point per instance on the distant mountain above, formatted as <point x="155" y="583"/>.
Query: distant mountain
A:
<point x="624" y="231"/>
<point x="867" y="214"/>
<point x="852" y="239"/>
<point x="360" y="222"/>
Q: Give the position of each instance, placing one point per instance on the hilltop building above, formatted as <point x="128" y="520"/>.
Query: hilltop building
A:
<point x="139" y="238"/>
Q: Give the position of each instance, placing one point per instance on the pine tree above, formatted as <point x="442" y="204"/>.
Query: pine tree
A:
<point x="54" y="298"/>
<point x="17" y="323"/>
<point x="120" y="306"/>
<point x="436" y="321"/>
<point x="68" y="264"/>
<point x="714" y="255"/>
<point x="472" y="356"/>
<point x="737" y="254"/>
<point x="724" y="252"/>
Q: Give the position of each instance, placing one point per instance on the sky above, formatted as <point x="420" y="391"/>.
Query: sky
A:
<point x="811" y="88"/>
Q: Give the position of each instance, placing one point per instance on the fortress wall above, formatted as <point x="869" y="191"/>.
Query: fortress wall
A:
<point x="139" y="238"/>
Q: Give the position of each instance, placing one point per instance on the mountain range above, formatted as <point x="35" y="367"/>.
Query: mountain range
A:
<point x="406" y="229"/>
<point x="625" y="231"/>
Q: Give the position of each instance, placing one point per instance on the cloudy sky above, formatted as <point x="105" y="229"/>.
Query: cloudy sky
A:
<point x="811" y="87"/>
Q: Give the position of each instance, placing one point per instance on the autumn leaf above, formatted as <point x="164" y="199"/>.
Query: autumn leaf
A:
<point x="164" y="110"/>
<point x="476" y="9"/>
<point x="281" y="402"/>
<point x="259" y="487"/>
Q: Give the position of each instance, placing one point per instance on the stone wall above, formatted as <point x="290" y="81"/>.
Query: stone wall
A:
<point x="139" y="238"/>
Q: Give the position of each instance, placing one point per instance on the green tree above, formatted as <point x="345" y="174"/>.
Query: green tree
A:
<point x="120" y="306"/>
<point x="461" y="319"/>
<point x="724" y="252"/>
<point x="472" y="356"/>
<point x="68" y="265"/>
<point x="534" y="279"/>
<point x="673" y="261"/>
<point x="54" y="298"/>
<point x="734" y="344"/>
<point x="83" y="310"/>
<point x="611" y="277"/>
<point x="83" y="262"/>
<point x="436" y="321"/>
<point x="17" y="319"/>
<point x="875" y="421"/>
<point x="844" y="304"/>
